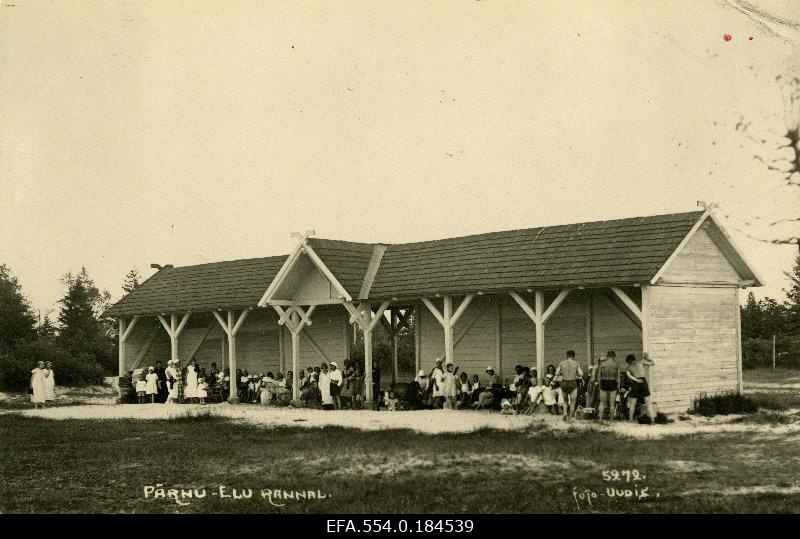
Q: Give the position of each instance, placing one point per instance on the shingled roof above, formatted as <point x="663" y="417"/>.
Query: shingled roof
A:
<point x="232" y="284"/>
<point x="622" y="251"/>
<point x="601" y="253"/>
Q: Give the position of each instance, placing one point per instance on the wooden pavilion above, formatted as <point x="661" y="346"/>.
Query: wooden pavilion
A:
<point x="665" y="284"/>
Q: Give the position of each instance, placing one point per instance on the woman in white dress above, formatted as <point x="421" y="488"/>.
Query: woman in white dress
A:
<point x="325" y="385"/>
<point x="190" y="391"/>
<point x="38" y="385"/>
<point x="49" y="383"/>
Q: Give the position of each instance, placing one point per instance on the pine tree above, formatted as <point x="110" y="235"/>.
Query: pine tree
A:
<point x="792" y="304"/>
<point x="752" y="318"/>
<point x="81" y="331"/>
<point x="17" y="321"/>
<point x="132" y="281"/>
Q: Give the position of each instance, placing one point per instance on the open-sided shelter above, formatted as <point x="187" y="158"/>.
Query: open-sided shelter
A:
<point x="665" y="284"/>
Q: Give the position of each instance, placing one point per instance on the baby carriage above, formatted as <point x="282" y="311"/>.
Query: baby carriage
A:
<point x="408" y="395"/>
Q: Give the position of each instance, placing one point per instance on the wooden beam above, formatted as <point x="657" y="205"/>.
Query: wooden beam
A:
<point x="539" y="325"/>
<point x="281" y="275"/>
<point x="589" y="329"/>
<point x="325" y="271"/>
<point x="432" y="308"/>
<point x="305" y="316"/>
<point x="281" y="353"/>
<point x="143" y="352"/>
<point x="417" y="339"/>
<point x="233" y="397"/>
<point x="166" y="325"/>
<point x="121" y="347"/>
<point x="461" y="309"/>
<point x="378" y="314"/>
<point x="320" y="352"/>
<point x="562" y="295"/>
<point x="525" y="307"/>
<point x="296" y="363"/>
<point x="629" y="303"/>
<point x="498" y="334"/>
<point x="222" y="323"/>
<point x="240" y="321"/>
<point x="182" y="325"/>
<point x="614" y="299"/>
<point x="739" y="380"/>
<point x="476" y="315"/>
<point x="395" y="347"/>
<point x="191" y="354"/>
<point x="449" y="347"/>
<point x="126" y="332"/>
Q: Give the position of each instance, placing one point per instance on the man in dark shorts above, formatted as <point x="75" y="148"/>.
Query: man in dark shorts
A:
<point x="639" y="388"/>
<point x="570" y="372"/>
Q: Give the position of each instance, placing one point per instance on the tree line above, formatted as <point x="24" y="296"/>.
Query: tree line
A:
<point x="768" y="319"/>
<point x="82" y="343"/>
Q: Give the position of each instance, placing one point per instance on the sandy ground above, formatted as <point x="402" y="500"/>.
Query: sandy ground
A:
<point x="424" y="421"/>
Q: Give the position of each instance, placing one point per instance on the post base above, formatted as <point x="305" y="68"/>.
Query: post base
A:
<point x="233" y="400"/>
<point x="369" y="405"/>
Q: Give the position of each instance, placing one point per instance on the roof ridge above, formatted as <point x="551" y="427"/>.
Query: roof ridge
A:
<point x="543" y="228"/>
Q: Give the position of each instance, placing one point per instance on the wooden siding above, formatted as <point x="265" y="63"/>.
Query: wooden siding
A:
<point x="566" y="330"/>
<point x="700" y="261"/>
<point x="693" y="340"/>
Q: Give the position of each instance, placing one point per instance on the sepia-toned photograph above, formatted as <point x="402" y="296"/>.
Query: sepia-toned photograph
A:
<point x="411" y="263"/>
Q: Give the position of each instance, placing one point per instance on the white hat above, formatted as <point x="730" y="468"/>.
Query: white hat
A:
<point x="333" y="364"/>
<point x="505" y="402"/>
<point x="438" y="360"/>
<point x="421" y="372"/>
<point x="489" y="368"/>
<point x="449" y="361"/>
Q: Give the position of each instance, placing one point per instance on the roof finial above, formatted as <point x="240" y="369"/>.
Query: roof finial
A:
<point x="303" y="237"/>
<point x="708" y="206"/>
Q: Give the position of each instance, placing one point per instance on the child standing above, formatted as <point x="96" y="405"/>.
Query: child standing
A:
<point x="151" y="386"/>
<point x="49" y="383"/>
<point x="202" y="389"/>
<point x="141" y="388"/>
<point x="464" y="391"/>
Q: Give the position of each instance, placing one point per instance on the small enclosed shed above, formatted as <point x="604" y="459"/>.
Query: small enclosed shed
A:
<point x="665" y="284"/>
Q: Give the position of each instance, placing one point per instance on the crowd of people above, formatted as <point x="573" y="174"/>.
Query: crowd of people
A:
<point x="607" y="388"/>
<point x="325" y="386"/>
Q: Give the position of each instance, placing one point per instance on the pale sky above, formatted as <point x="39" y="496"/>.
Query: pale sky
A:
<point x="140" y="131"/>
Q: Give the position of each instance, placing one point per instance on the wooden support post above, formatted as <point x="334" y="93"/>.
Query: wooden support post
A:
<point x="395" y="346"/>
<point x="589" y="330"/>
<point x="231" y="327"/>
<point x="367" y="320"/>
<point x="369" y="396"/>
<point x="652" y="379"/>
<point x="539" y="322"/>
<point x="281" y="357"/>
<point x="295" y="358"/>
<point x="417" y="339"/>
<point x="498" y="334"/>
<point x="296" y="319"/>
<point x="448" y="320"/>
<point x="348" y="347"/>
<point x="174" y="329"/>
<point x="121" y="359"/>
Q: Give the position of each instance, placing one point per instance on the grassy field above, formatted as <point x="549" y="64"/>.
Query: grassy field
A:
<point x="105" y="466"/>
